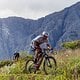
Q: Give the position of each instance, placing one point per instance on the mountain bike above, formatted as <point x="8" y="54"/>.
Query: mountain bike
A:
<point x="49" y="64"/>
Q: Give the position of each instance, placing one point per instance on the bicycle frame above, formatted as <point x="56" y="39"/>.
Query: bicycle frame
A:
<point x="45" y="53"/>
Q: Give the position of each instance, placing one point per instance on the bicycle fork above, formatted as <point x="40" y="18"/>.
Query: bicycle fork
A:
<point x="48" y="62"/>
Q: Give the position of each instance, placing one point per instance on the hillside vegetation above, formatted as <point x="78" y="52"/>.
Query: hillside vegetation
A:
<point x="68" y="67"/>
<point x="72" y="44"/>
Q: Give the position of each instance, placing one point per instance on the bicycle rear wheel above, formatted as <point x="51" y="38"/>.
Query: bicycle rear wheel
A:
<point x="29" y="67"/>
<point x="49" y="65"/>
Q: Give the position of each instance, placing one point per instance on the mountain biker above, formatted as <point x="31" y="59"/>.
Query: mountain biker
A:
<point x="16" y="56"/>
<point x="36" y="44"/>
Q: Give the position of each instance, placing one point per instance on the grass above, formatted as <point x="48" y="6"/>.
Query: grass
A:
<point x="68" y="68"/>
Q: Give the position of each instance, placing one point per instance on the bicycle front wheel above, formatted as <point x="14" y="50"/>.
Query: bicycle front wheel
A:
<point x="49" y="65"/>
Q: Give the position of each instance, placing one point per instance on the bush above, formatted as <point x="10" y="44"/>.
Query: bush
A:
<point x="71" y="45"/>
<point x="3" y="63"/>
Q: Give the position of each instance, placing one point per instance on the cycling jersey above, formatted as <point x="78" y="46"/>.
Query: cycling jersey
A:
<point x="39" y="40"/>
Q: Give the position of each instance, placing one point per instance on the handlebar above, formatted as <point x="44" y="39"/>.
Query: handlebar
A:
<point x="47" y="50"/>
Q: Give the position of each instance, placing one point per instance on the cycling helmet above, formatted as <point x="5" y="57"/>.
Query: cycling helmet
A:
<point x="45" y="33"/>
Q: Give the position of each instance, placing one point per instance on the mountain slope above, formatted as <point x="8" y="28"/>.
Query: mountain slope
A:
<point x="16" y="33"/>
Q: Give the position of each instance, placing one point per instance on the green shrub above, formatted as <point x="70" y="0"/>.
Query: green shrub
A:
<point x="71" y="45"/>
<point x="3" y="63"/>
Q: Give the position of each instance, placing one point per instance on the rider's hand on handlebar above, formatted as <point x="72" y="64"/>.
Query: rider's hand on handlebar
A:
<point x="50" y="48"/>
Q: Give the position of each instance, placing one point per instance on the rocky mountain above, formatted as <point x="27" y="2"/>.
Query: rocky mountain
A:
<point x="16" y="32"/>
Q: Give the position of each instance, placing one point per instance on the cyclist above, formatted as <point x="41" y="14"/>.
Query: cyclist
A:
<point x="36" y="45"/>
<point x="16" y="56"/>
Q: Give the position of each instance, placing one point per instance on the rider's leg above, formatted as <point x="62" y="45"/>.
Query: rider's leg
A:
<point x="39" y="61"/>
<point x="35" y="56"/>
<point x="39" y="58"/>
<point x="37" y="50"/>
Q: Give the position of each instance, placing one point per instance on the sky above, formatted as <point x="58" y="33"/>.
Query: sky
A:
<point x="32" y="9"/>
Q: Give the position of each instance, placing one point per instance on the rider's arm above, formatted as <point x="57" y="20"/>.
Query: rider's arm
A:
<point x="47" y="43"/>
